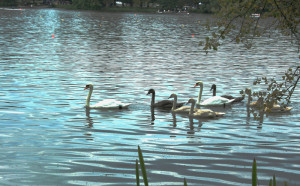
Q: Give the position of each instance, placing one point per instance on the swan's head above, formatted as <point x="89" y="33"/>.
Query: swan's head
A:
<point x="88" y="86"/>
<point x="213" y="87"/>
<point x="151" y="91"/>
<point x="199" y="83"/>
<point x="191" y="101"/>
<point x="173" y="96"/>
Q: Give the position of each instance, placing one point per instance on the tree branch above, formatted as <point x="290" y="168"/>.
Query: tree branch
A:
<point x="288" y="23"/>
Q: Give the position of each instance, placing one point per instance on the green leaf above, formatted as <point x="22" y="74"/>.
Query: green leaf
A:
<point x="270" y="182"/>
<point x="274" y="180"/>
<point x="184" y="182"/>
<point x="137" y="173"/>
<point x="143" y="168"/>
<point x="254" y="173"/>
<point x="214" y="35"/>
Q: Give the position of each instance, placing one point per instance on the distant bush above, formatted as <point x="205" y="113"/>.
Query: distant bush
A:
<point x="8" y="3"/>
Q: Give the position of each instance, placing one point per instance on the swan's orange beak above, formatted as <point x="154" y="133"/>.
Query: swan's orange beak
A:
<point x="196" y="85"/>
<point x="86" y="87"/>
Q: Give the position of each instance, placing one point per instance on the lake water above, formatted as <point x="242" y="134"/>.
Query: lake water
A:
<point x="47" y="136"/>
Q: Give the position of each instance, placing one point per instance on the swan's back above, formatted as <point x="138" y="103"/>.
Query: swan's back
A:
<point x="207" y="113"/>
<point x="110" y="104"/>
<point x="164" y="104"/>
<point x="279" y="109"/>
<point x="216" y="100"/>
<point x="185" y="109"/>
<point x="236" y="99"/>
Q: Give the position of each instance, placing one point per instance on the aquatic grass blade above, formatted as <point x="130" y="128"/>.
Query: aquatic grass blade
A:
<point x="143" y="168"/>
<point x="185" y="183"/>
<point x="254" y="173"/>
<point x="274" y="180"/>
<point x="137" y="173"/>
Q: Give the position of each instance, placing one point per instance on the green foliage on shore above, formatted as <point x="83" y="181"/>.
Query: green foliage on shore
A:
<point x="112" y="9"/>
<point x="196" y="6"/>
<point x="8" y="3"/>
<point x="128" y="9"/>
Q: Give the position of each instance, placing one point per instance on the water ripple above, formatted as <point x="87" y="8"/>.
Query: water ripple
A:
<point x="49" y="138"/>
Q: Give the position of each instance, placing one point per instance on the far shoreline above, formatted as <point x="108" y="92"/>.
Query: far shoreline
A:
<point x="106" y="9"/>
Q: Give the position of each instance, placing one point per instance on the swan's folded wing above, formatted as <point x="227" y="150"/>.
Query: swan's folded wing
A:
<point x="220" y="114"/>
<point x="184" y="109"/>
<point x="110" y="103"/>
<point x="216" y="100"/>
<point x="279" y="109"/>
<point x="164" y="104"/>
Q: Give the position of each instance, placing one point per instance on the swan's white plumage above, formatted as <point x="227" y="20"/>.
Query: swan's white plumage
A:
<point x="216" y="101"/>
<point x="212" y="101"/>
<point x="235" y="99"/>
<point x="104" y="104"/>
<point x="109" y="103"/>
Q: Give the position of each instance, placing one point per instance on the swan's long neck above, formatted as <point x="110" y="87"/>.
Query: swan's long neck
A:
<point x="153" y="99"/>
<point x="88" y="99"/>
<point x="174" y="103"/>
<point x="192" y="108"/>
<point x="200" y="94"/>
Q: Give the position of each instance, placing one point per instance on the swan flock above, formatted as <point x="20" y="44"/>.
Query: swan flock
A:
<point x="176" y="107"/>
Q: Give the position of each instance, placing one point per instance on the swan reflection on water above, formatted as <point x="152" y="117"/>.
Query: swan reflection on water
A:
<point x="89" y="120"/>
<point x="152" y="116"/>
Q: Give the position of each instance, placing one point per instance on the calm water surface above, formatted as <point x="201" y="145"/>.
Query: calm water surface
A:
<point x="47" y="137"/>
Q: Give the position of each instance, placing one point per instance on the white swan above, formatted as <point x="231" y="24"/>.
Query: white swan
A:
<point x="203" y="113"/>
<point x="104" y="104"/>
<point x="184" y="109"/>
<point x="275" y="109"/>
<point x="162" y="104"/>
<point x="212" y="101"/>
<point x="236" y="99"/>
